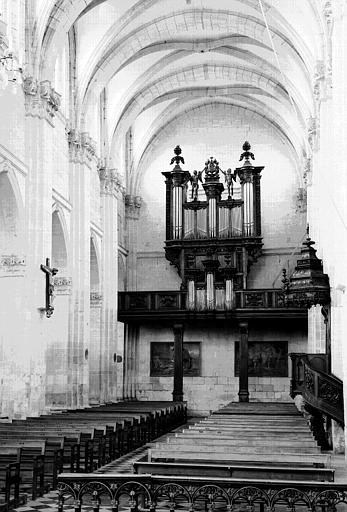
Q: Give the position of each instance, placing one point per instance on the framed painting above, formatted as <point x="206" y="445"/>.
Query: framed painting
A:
<point x="162" y="359"/>
<point x="265" y="359"/>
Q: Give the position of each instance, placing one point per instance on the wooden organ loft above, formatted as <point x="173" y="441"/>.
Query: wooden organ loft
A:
<point x="212" y="240"/>
<point x="213" y="235"/>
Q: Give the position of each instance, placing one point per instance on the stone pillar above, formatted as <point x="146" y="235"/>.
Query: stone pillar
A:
<point x="82" y="165"/>
<point x="57" y="345"/>
<point x="243" y="378"/>
<point x="95" y="356"/>
<point x="29" y="374"/>
<point x="111" y="190"/>
<point x="177" y="394"/>
<point x="132" y="214"/>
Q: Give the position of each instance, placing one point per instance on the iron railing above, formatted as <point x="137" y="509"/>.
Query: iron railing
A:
<point x="132" y="493"/>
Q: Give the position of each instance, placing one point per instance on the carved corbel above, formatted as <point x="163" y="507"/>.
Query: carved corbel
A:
<point x="132" y="206"/>
<point x="81" y="145"/>
<point x="41" y="99"/>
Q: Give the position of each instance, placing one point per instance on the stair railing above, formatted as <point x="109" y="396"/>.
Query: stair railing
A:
<point x="320" y="389"/>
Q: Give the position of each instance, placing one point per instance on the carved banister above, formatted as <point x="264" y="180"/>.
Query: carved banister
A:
<point x="320" y="390"/>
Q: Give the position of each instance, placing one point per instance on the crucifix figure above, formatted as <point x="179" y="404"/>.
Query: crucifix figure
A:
<point x="50" y="273"/>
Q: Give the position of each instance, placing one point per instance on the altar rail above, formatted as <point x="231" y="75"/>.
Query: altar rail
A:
<point x="147" y="492"/>
<point x="170" y="302"/>
<point x="320" y="389"/>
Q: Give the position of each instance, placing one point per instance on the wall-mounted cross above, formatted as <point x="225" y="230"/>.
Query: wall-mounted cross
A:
<point x="50" y="273"/>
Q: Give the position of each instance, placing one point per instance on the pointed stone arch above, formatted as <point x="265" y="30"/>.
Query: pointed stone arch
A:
<point x="11" y="214"/>
<point x="58" y="351"/>
<point x="59" y="240"/>
<point x="96" y="352"/>
<point x="121" y="272"/>
<point x="94" y="266"/>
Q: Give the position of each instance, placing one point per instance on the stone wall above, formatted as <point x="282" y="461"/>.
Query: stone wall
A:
<point x="217" y="384"/>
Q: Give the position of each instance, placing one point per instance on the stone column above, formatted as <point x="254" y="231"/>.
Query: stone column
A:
<point x="177" y="394"/>
<point x="57" y="345"/>
<point x="132" y="215"/>
<point x="82" y="165"/>
<point x="243" y="378"/>
<point x="95" y="356"/>
<point x="41" y="127"/>
<point x="111" y="190"/>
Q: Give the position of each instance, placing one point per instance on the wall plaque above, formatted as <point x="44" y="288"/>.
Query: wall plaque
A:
<point x="265" y="359"/>
<point x="162" y="359"/>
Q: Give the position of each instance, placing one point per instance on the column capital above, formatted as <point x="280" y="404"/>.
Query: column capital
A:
<point x="41" y="99"/>
<point x="110" y="180"/>
<point x="132" y="206"/>
<point x="82" y="147"/>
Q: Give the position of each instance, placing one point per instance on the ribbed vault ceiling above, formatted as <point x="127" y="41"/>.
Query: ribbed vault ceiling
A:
<point x="165" y="58"/>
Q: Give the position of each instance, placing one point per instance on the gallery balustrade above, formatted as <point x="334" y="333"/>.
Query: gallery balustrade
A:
<point x="197" y="300"/>
<point x="320" y="389"/>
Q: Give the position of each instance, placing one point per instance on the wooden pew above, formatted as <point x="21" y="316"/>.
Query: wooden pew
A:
<point x="235" y="471"/>
<point x="9" y="477"/>
<point x="196" y="453"/>
<point x="30" y="457"/>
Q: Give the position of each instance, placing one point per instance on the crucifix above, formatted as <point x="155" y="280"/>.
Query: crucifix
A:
<point x="50" y="273"/>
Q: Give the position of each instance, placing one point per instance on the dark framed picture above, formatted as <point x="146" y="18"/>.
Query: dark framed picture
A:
<point x="265" y="358"/>
<point x="162" y="359"/>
